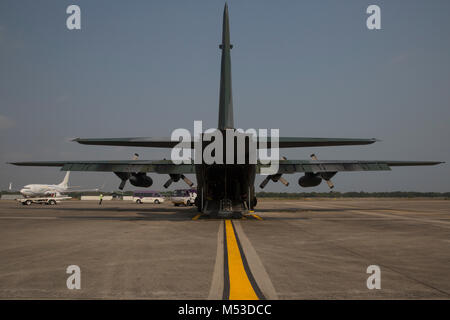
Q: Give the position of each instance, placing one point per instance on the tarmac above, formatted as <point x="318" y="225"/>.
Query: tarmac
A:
<point x="286" y="249"/>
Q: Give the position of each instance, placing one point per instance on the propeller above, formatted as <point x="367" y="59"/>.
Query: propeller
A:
<point x="325" y="175"/>
<point x="176" y="178"/>
<point x="124" y="176"/>
<point x="275" y="178"/>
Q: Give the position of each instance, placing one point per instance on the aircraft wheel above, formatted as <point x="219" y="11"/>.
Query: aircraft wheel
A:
<point x="254" y="202"/>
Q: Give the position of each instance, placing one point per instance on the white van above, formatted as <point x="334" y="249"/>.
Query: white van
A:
<point x="147" y="197"/>
<point x="184" y="197"/>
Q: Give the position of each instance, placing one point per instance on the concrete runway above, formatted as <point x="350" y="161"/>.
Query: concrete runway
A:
<point x="290" y="249"/>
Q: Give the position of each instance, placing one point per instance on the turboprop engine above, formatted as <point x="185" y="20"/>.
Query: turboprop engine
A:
<point x="140" y="179"/>
<point x="309" y="180"/>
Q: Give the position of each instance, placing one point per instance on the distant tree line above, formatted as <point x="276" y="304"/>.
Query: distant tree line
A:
<point x="77" y="195"/>
<point x="296" y="195"/>
<point x="352" y="194"/>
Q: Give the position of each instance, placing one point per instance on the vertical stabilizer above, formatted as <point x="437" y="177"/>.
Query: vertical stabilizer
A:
<point x="65" y="182"/>
<point x="226" y="98"/>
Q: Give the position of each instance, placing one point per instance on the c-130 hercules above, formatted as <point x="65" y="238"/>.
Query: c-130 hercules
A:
<point x="225" y="188"/>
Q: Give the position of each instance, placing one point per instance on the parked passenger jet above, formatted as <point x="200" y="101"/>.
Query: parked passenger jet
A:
<point x="226" y="187"/>
<point x="36" y="190"/>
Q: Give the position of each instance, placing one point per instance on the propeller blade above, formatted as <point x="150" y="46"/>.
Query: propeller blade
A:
<point x="188" y="182"/>
<point x="328" y="181"/>
<point x="168" y="183"/>
<point x="122" y="184"/>
<point x="330" y="184"/>
<point x="265" y="182"/>
<point x="283" y="181"/>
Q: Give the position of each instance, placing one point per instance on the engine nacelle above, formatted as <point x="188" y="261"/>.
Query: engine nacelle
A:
<point x="140" y="180"/>
<point x="309" y="180"/>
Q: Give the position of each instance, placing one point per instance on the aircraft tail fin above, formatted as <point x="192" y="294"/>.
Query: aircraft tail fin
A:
<point x="226" y="98"/>
<point x="65" y="182"/>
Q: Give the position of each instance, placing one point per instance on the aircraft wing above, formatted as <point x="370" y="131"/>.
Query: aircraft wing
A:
<point x="301" y="142"/>
<point x="284" y="142"/>
<point x="130" y="142"/>
<point x="312" y="166"/>
<point x="157" y="166"/>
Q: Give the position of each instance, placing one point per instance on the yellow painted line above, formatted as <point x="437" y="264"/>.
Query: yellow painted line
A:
<point x="256" y="217"/>
<point x="240" y="286"/>
<point x="196" y="217"/>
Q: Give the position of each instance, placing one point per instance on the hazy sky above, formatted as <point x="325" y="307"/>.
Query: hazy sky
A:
<point x="144" y="68"/>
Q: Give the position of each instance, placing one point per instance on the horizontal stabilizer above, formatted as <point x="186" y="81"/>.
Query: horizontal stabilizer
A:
<point x="284" y="142"/>
<point x="131" y="142"/>
<point x="302" y="142"/>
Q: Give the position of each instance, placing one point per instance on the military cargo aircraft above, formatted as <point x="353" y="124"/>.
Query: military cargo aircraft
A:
<point x="223" y="187"/>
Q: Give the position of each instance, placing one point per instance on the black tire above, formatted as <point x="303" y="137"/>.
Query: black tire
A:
<point x="156" y="201"/>
<point x="176" y="204"/>
<point x="52" y="202"/>
<point x="28" y="202"/>
<point x="138" y="201"/>
<point x="188" y="203"/>
<point x="254" y="202"/>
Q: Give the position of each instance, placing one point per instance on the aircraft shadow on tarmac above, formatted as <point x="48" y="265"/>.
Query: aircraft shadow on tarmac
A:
<point x="184" y="214"/>
<point x="136" y="214"/>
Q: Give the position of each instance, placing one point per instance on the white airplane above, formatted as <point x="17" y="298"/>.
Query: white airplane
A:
<point x="33" y="190"/>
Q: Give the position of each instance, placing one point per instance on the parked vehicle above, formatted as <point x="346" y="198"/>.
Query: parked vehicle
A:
<point x="42" y="200"/>
<point x="184" y="197"/>
<point x="148" y="197"/>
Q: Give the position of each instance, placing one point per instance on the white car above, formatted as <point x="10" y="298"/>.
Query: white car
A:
<point x="184" y="197"/>
<point x="148" y="197"/>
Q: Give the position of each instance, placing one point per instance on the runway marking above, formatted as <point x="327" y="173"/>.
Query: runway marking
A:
<point x="444" y="224"/>
<point x="387" y="213"/>
<point x="239" y="283"/>
<point x="243" y="217"/>
<point x="29" y="218"/>
<point x="404" y="274"/>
